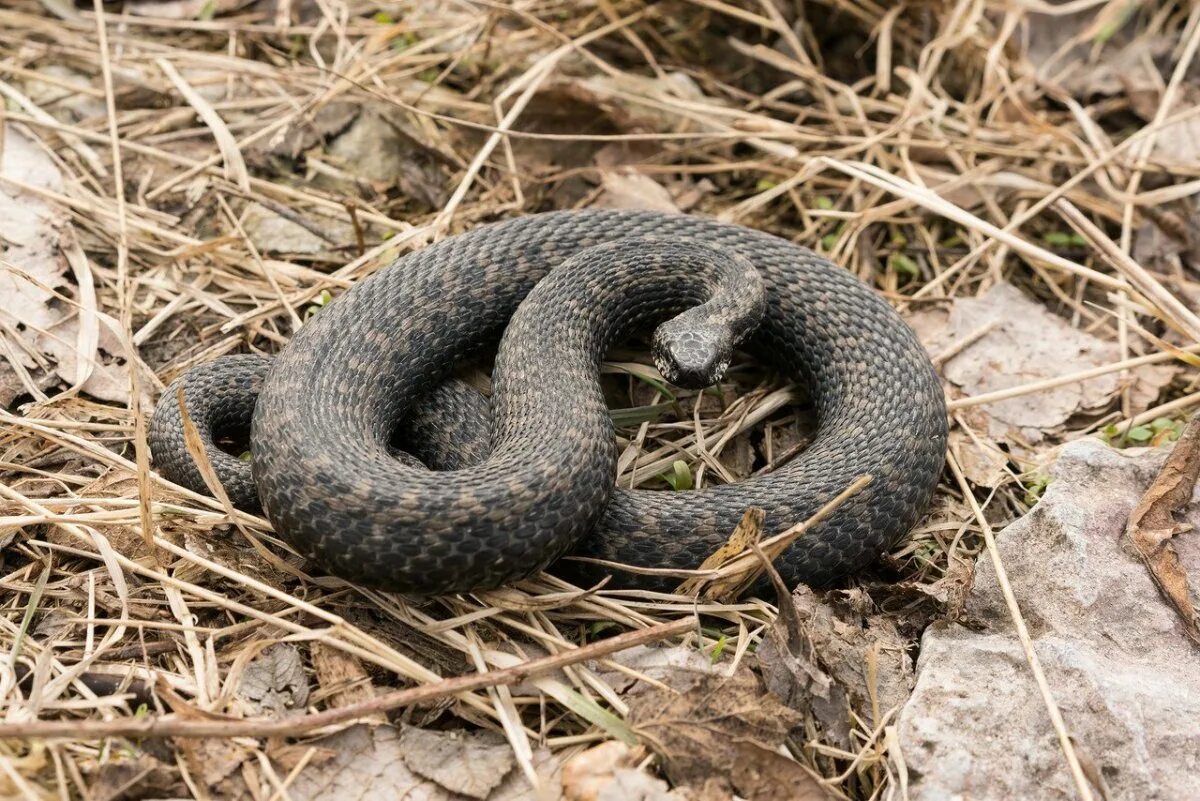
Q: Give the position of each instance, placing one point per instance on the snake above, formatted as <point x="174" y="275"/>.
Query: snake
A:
<point x="516" y="481"/>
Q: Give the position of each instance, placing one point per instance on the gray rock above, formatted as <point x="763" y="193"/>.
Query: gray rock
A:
<point x="1124" y="675"/>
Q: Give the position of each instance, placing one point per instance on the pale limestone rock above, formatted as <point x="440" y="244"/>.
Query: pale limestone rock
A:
<point x="1124" y="675"/>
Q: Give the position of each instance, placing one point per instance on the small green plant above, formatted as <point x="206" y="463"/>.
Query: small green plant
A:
<point x="599" y="627"/>
<point x="402" y="42"/>
<point x="1035" y="486"/>
<point x="830" y="240"/>
<point x="1063" y="239"/>
<point x="1117" y="22"/>
<point x="902" y="264"/>
<point x="1158" y="431"/>
<point x="718" y="649"/>
<point x="680" y="476"/>
<point x="319" y="302"/>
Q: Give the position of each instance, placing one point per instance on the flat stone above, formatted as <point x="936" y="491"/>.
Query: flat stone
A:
<point x="1124" y="675"/>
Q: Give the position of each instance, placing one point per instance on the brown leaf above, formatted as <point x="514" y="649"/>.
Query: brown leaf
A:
<point x="342" y="678"/>
<point x="210" y="761"/>
<point x="1179" y="142"/>
<point x="828" y="654"/>
<point x="758" y="773"/>
<point x="185" y="9"/>
<point x="379" y="150"/>
<point x="1063" y="50"/>
<point x="367" y="765"/>
<point x="677" y="666"/>
<point x="724" y="728"/>
<point x="214" y="762"/>
<point x="370" y="763"/>
<point x="747" y="533"/>
<point x="608" y="772"/>
<point x="43" y="338"/>
<point x="470" y="763"/>
<point x="1152" y="525"/>
<point x="274" y="682"/>
<point x="626" y="188"/>
<point x="137" y="777"/>
<point x="305" y="132"/>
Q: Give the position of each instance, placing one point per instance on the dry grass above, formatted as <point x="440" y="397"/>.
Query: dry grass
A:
<point x="923" y="146"/>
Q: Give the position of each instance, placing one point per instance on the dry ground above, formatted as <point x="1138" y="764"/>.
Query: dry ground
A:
<point x="1017" y="178"/>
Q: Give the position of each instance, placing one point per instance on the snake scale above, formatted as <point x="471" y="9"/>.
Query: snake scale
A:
<point x="513" y="495"/>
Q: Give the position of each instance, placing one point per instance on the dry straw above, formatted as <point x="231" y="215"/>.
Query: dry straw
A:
<point x="933" y="173"/>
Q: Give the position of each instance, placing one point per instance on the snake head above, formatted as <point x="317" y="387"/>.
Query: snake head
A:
<point x="692" y="355"/>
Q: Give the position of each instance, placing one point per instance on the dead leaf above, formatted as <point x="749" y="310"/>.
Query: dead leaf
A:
<point x="72" y="106"/>
<point x="678" y="667"/>
<point x="687" y="193"/>
<point x="1178" y="142"/>
<point x="728" y="729"/>
<point x="54" y="625"/>
<point x="185" y="9"/>
<point x="305" y="132"/>
<point x="274" y="682"/>
<point x="830" y="654"/>
<point x="369" y="764"/>
<point x="948" y="596"/>
<point x="566" y="107"/>
<point x="515" y="786"/>
<point x="377" y="150"/>
<point x="212" y="762"/>
<point x="1156" y="243"/>
<point x="32" y="229"/>
<point x="626" y="188"/>
<point x="607" y="773"/>
<point x="1062" y="50"/>
<point x="747" y="533"/>
<point x="1152" y="525"/>
<point x="760" y="774"/>
<point x="470" y="763"/>
<point x="273" y="233"/>
<point x="215" y="762"/>
<point x="137" y="777"/>
<point x="44" y="341"/>
<point x="981" y="460"/>
<point x="588" y="772"/>
<point x="342" y="678"/>
<point x="645" y="102"/>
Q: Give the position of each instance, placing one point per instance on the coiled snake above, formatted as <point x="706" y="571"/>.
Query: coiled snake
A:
<point x="323" y="413"/>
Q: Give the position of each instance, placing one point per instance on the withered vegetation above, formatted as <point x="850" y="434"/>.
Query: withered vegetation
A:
<point x="189" y="178"/>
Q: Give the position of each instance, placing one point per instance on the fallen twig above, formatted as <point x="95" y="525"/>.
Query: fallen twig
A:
<point x="176" y="726"/>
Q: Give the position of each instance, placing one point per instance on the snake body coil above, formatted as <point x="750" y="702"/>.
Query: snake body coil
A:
<point x="322" y="414"/>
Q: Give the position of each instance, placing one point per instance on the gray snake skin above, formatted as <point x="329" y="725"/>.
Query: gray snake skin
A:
<point x="324" y="412"/>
